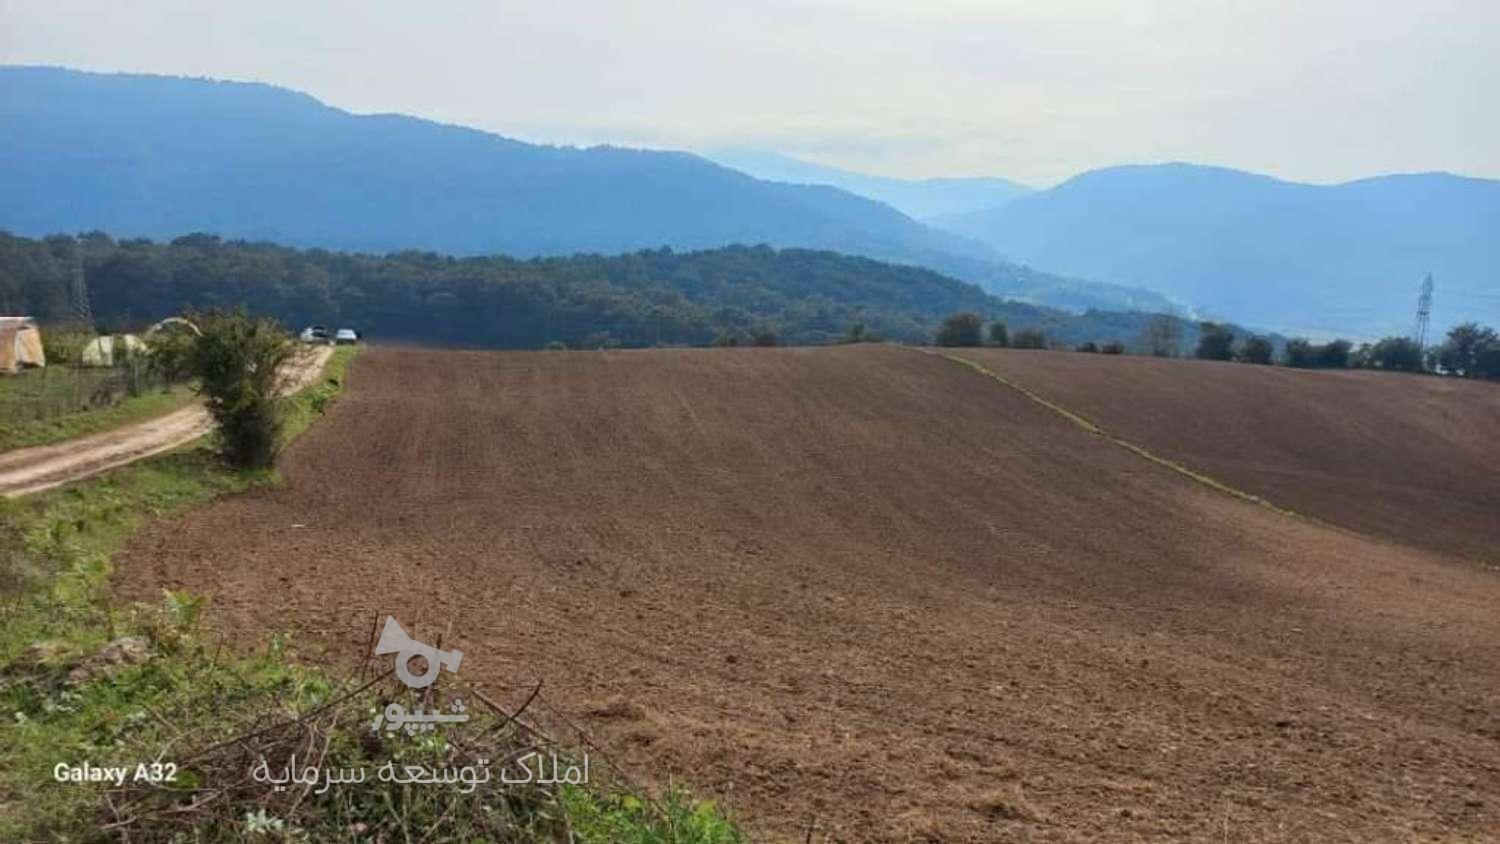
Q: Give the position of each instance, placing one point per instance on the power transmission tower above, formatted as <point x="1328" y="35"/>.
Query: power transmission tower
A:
<point x="78" y="291"/>
<point x="1424" y="313"/>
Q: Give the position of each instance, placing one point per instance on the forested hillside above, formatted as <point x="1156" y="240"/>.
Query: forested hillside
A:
<point x="161" y="157"/>
<point x="638" y="299"/>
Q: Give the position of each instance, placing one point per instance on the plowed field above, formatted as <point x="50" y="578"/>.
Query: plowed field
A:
<point x="1412" y="458"/>
<point x="870" y="589"/>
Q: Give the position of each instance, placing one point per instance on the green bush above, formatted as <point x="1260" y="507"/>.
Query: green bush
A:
<point x="1299" y="353"/>
<point x="63" y="345"/>
<point x="1471" y="350"/>
<point x="238" y="362"/>
<point x="999" y="335"/>
<point x="627" y="819"/>
<point x="1215" y="342"/>
<point x="964" y="329"/>
<point x="1399" y="353"/>
<point x="1303" y="354"/>
<point x="1257" y="350"/>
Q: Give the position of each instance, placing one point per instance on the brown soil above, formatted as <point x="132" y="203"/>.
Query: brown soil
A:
<point x="1411" y="458"/>
<point x="870" y="587"/>
<point x="25" y="471"/>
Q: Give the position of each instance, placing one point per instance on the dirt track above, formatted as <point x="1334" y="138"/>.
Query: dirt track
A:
<point x="1411" y="458"/>
<point x="871" y="587"/>
<point x="29" y="470"/>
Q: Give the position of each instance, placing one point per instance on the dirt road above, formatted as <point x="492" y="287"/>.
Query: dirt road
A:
<point x="30" y="470"/>
<point x="872" y="591"/>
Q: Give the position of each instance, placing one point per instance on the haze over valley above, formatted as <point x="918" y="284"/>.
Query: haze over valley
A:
<point x="159" y="157"/>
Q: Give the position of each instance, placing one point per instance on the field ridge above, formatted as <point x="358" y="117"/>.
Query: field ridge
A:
<point x="1139" y="450"/>
<point x="1402" y="459"/>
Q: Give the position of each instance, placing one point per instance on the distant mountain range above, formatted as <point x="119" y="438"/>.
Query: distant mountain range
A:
<point x="1345" y="258"/>
<point x="159" y="157"/>
<point x="919" y="199"/>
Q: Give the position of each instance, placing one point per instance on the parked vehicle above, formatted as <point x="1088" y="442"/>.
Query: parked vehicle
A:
<point x="315" y="334"/>
<point x="346" y="335"/>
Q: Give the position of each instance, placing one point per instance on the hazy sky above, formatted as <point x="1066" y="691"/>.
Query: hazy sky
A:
<point x="1036" y="90"/>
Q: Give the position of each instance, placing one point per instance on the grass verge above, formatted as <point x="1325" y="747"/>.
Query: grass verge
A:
<point x="84" y="679"/>
<point x="14" y="397"/>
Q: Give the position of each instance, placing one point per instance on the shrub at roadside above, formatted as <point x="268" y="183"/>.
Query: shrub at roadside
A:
<point x="238" y="362"/>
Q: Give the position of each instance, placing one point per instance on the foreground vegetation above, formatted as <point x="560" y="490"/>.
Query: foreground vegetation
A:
<point x="46" y="406"/>
<point x="84" y="677"/>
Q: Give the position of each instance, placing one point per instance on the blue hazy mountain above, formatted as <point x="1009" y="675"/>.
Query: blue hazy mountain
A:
<point x="1298" y="257"/>
<point x="158" y="157"/>
<point x="917" y="198"/>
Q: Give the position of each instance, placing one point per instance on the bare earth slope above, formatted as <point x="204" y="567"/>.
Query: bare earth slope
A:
<point x="1410" y="458"/>
<point x="870" y="586"/>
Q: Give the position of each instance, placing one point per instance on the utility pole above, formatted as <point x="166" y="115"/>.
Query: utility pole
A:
<point x="78" y="290"/>
<point x="1424" y="313"/>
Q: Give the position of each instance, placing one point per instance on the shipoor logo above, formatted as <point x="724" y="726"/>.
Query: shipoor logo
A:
<point x="394" y="640"/>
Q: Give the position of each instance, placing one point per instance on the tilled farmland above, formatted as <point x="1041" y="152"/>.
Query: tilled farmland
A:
<point x="871" y="592"/>
<point x="1408" y="457"/>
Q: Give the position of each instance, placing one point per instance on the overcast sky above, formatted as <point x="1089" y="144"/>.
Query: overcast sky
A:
<point x="1035" y="90"/>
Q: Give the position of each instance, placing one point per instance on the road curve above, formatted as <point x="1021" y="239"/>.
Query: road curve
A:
<point x="30" y="470"/>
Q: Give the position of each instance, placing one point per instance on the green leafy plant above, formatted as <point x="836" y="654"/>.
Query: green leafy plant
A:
<point x="238" y="362"/>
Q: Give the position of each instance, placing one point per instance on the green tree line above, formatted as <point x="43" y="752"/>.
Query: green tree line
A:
<point x="1468" y="351"/>
<point x="736" y="294"/>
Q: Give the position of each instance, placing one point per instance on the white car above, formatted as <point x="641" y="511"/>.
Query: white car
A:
<point x="346" y="335"/>
<point x="314" y="334"/>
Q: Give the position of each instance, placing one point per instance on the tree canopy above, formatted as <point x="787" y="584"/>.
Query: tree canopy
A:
<point x="739" y="294"/>
<point x="1215" y="342"/>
